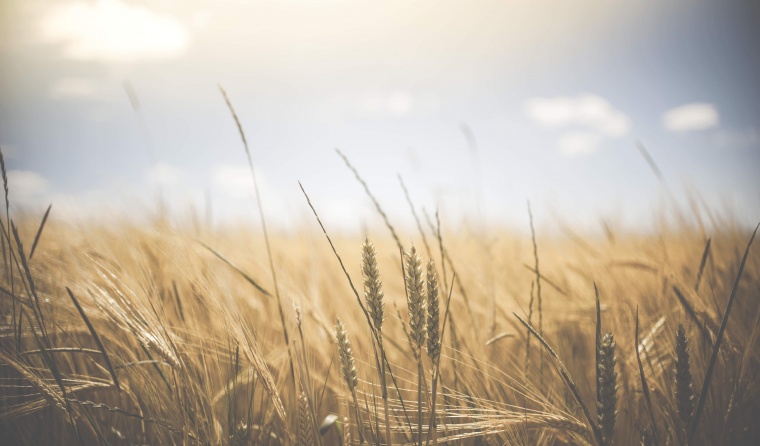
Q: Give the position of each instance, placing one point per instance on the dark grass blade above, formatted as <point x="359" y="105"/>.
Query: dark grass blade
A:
<point x="598" y="340"/>
<point x="49" y="362"/>
<point x="644" y="386"/>
<point x="178" y="301"/>
<point x="96" y="338"/>
<point x="18" y="332"/>
<point x="324" y="385"/>
<point x="548" y="281"/>
<point x="718" y="339"/>
<point x="690" y="311"/>
<point x="39" y="231"/>
<point x="538" y="290"/>
<point x="702" y="264"/>
<point x="652" y="165"/>
<point x="567" y="378"/>
<point x="236" y="268"/>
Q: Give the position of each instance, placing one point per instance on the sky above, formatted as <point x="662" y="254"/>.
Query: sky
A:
<point x="478" y="105"/>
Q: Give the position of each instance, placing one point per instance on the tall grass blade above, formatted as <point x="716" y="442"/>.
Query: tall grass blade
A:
<point x="95" y="337"/>
<point x="267" y="244"/>
<point x="718" y="340"/>
<point x="39" y="231"/>
<point x="245" y="275"/>
<point x="644" y="385"/>
<point x="567" y="379"/>
<point x="702" y="264"/>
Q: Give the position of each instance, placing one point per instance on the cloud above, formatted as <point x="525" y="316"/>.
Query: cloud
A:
<point x="579" y="143"/>
<point x="691" y="117"/>
<point x="590" y="111"/>
<point x="25" y="184"/>
<point x="592" y="120"/>
<point x="113" y="31"/>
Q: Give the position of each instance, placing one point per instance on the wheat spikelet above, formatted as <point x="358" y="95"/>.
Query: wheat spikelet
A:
<point x="346" y="432"/>
<point x="373" y="292"/>
<point x="684" y="387"/>
<point x="347" y="365"/>
<point x="416" y="301"/>
<point x="607" y="388"/>
<point x="299" y="316"/>
<point x="305" y="431"/>
<point x="433" y="326"/>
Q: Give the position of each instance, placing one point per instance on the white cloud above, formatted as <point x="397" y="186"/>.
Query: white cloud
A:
<point x="589" y="111"/>
<point x="25" y="184"/>
<point x="579" y="143"/>
<point x="114" y="31"/>
<point x="165" y="174"/>
<point x="591" y="118"/>
<point x="691" y="117"/>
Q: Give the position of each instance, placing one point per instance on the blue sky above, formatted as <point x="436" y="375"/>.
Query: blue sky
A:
<point x="555" y="93"/>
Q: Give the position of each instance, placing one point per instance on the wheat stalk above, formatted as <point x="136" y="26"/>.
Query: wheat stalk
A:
<point x="348" y="369"/>
<point x="417" y="329"/>
<point x="373" y="294"/>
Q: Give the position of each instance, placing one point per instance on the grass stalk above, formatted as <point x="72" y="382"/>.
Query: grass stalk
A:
<point x="719" y="338"/>
<point x="267" y="244"/>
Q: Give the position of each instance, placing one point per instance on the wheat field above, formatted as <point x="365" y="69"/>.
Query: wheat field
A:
<point x="159" y="333"/>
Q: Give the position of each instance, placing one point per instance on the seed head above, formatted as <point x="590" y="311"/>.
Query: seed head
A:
<point x="347" y="365"/>
<point x="373" y="291"/>
<point x="305" y="430"/>
<point x="433" y="330"/>
<point x="684" y="387"/>
<point x="607" y="388"/>
<point x="416" y="299"/>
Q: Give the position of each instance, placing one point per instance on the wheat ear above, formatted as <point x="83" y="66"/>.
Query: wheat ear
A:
<point x="348" y="368"/>
<point x="607" y="388"/>
<point x="417" y="329"/>
<point x="684" y="386"/>
<point x="373" y="294"/>
<point x="415" y="299"/>
<point x="305" y="428"/>
<point x="433" y="314"/>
